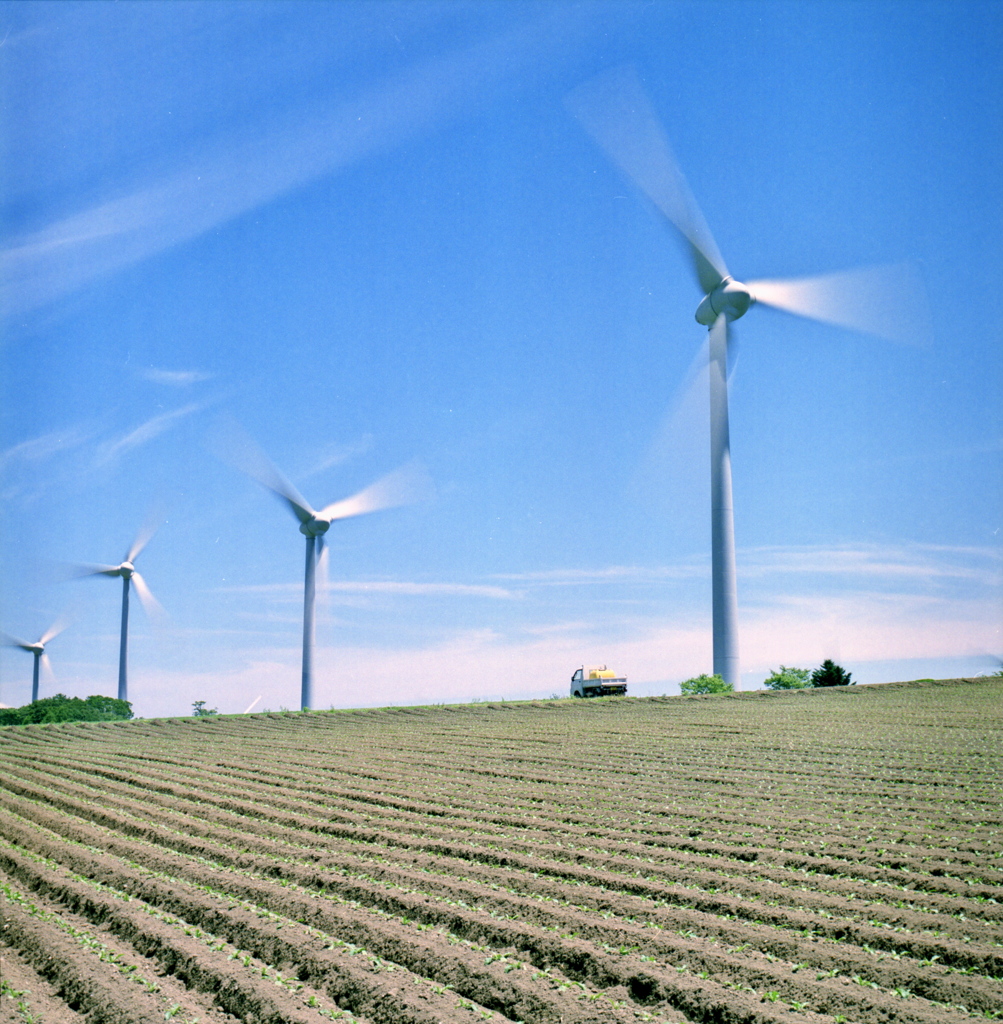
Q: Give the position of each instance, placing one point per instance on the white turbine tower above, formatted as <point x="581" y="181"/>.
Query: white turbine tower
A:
<point x="886" y="301"/>
<point x="38" y="650"/>
<point x="130" y="577"/>
<point x="408" y="484"/>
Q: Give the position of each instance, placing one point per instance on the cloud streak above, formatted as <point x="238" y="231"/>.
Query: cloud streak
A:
<point x="144" y="433"/>
<point x="610" y="574"/>
<point x="919" y="629"/>
<point x="392" y="587"/>
<point x="876" y="561"/>
<point x="45" y="446"/>
<point x="242" y="172"/>
<point x="878" y="637"/>
<point x="884" y="562"/>
<point x="175" y="378"/>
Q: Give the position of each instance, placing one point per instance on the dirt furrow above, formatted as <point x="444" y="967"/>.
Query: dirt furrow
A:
<point x="194" y="892"/>
<point x="580" y="958"/>
<point x="779" y="870"/>
<point x="520" y="898"/>
<point x="956" y="953"/>
<point x="69" y="959"/>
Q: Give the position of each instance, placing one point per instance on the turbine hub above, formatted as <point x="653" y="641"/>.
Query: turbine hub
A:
<point x="315" y="527"/>
<point x="35" y="648"/>
<point x="127" y="569"/>
<point x="730" y="297"/>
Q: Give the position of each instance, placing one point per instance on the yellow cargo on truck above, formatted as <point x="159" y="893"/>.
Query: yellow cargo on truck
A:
<point x="597" y="681"/>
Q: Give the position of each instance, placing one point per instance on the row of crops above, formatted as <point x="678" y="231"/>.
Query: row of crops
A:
<point x="793" y="856"/>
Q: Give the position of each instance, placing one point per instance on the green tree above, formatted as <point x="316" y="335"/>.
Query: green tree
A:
<point x="830" y="674"/>
<point x="787" y="678"/>
<point x="199" y="710"/>
<point x="61" y="708"/>
<point x="705" y="684"/>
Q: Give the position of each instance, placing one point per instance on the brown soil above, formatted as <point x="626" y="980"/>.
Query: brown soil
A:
<point x="450" y="864"/>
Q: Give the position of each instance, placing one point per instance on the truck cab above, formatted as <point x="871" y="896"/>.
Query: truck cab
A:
<point x="597" y="681"/>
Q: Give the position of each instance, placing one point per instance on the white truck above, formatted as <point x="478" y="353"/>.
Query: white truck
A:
<point x="597" y="681"/>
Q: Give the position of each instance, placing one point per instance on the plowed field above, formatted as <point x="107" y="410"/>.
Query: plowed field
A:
<point x="806" y="856"/>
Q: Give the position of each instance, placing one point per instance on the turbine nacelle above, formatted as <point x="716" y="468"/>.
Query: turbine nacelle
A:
<point x="315" y="527"/>
<point x="730" y="297"/>
<point x="126" y="569"/>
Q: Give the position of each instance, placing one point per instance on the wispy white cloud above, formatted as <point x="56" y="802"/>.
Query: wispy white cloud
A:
<point x="403" y="588"/>
<point x="175" y="378"/>
<point x="337" y="453"/>
<point x="916" y="628"/>
<point x="240" y="173"/>
<point x="424" y="589"/>
<point x="884" y="562"/>
<point x="871" y="634"/>
<point x="144" y="433"/>
<point x="879" y="562"/>
<point x="38" y="449"/>
<point x="609" y="574"/>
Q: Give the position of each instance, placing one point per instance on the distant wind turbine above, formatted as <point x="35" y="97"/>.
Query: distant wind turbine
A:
<point x="38" y="650"/>
<point x="886" y="301"/>
<point x="404" y="486"/>
<point x="127" y="571"/>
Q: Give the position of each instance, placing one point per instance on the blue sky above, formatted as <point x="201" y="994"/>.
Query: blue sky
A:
<point x="373" y="233"/>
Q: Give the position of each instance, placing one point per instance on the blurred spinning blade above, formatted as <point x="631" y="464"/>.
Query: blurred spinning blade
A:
<point x="82" y="569"/>
<point x="888" y="301"/>
<point x="404" y="486"/>
<point x="153" y="608"/>
<point x="13" y="641"/>
<point x="616" y="112"/>
<point x="144" y="534"/>
<point x="231" y="443"/>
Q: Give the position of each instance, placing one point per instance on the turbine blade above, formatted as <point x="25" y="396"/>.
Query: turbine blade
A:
<point x="53" y="631"/>
<point x="13" y="641"/>
<point x="82" y="570"/>
<point x="404" y="486"/>
<point x="615" y="110"/>
<point x="144" y="534"/>
<point x="251" y="705"/>
<point x="150" y="604"/>
<point x="47" y="668"/>
<point x="322" y="578"/>
<point x="231" y="443"/>
<point x="888" y="301"/>
<point x="733" y="353"/>
<point x="671" y="475"/>
<point x="323" y="562"/>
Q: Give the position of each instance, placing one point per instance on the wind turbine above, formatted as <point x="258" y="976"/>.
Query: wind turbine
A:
<point x="887" y="301"/>
<point x="130" y="577"/>
<point x="405" y="485"/>
<point x="38" y="649"/>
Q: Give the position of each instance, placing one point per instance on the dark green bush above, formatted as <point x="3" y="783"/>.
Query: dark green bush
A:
<point x="67" y="709"/>
<point x="830" y="674"/>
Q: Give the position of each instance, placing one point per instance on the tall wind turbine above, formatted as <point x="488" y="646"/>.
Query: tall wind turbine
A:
<point x="887" y="301"/>
<point x="130" y="577"/>
<point x="38" y="649"/>
<point x="403" y="486"/>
